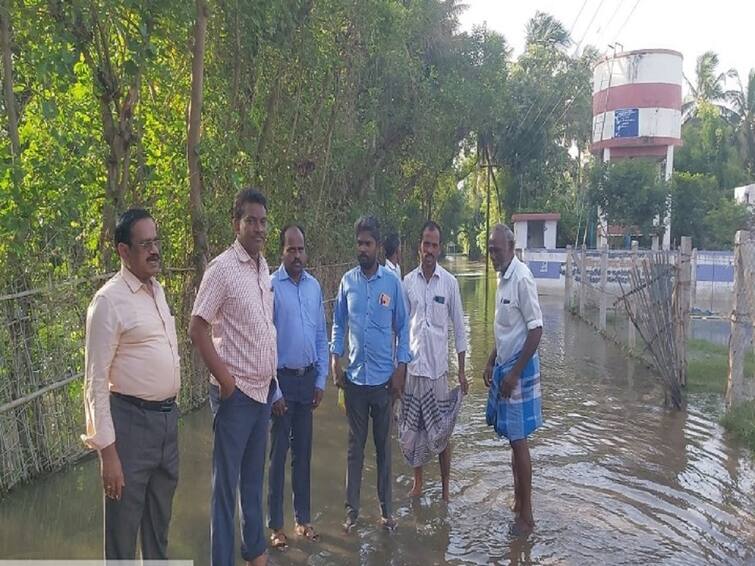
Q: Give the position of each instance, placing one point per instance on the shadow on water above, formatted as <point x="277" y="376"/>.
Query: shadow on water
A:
<point x="617" y="478"/>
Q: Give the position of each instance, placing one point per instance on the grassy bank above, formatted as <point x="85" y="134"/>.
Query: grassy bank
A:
<point x="707" y="371"/>
<point x="741" y="422"/>
<point x="708" y="366"/>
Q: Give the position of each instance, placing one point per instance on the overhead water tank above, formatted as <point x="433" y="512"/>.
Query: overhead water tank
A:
<point x="637" y="104"/>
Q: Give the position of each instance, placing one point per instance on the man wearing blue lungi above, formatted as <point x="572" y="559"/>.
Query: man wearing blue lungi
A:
<point x="513" y="371"/>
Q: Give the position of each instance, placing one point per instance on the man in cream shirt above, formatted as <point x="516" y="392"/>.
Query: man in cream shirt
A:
<point x="132" y="377"/>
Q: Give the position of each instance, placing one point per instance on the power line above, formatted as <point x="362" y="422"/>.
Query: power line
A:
<point x="588" y="26"/>
<point x="626" y="20"/>
<point x="534" y="127"/>
<point x="532" y="104"/>
<point x="580" y="91"/>
<point x="574" y="23"/>
<point x="610" y="21"/>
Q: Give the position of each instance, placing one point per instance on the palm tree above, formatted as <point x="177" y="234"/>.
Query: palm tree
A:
<point x="742" y="115"/>
<point x="708" y="87"/>
<point x="543" y="29"/>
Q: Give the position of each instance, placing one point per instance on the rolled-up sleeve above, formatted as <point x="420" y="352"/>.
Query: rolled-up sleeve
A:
<point x="401" y="325"/>
<point x="529" y="304"/>
<point x="103" y="329"/>
<point x="457" y="316"/>
<point x="340" y="315"/>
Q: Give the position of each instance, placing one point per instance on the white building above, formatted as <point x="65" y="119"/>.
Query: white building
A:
<point x="745" y="195"/>
<point x="535" y="230"/>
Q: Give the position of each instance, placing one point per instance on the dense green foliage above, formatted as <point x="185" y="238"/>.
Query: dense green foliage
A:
<point x="333" y="109"/>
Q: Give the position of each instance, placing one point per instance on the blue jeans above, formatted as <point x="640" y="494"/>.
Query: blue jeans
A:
<point x="292" y="429"/>
<point x="238" y="465"/>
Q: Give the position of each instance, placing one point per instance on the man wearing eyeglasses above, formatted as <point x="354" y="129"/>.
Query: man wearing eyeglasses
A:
<point x="132" y="377"/>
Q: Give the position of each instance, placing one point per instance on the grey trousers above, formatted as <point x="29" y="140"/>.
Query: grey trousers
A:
<point x="363" y="402"/>
<point x="147" y="445"/>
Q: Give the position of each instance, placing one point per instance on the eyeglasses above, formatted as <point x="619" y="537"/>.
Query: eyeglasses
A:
<point x="147" y="245"/>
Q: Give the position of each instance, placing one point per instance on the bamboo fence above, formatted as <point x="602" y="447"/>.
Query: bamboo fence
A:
<point x="741" y="387"/>
<point x="629" y="294"/>
<point x="42" y="362"/>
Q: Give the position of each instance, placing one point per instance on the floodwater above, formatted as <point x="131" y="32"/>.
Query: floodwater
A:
<point x="715" y="330"/>
<point x="617" y="478"/>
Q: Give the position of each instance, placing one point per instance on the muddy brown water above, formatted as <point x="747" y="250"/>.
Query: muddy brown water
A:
<point x="617" y="478"/>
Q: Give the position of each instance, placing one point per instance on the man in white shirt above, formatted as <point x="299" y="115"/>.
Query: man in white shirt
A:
<point x="513" y="371"/>
<point x="428" y="408"/>
<point x="392" y="249"/>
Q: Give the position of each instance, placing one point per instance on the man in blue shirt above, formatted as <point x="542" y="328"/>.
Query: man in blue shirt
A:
<point x="371" y="305"/>
<point x="299" y="319"/>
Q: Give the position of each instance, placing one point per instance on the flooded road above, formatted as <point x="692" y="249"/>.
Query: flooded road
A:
<point x="617" y="479"/>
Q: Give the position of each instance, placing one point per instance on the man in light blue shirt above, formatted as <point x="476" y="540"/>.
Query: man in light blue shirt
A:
<point x="371" y="305"/>
<point x="299" y="319"/>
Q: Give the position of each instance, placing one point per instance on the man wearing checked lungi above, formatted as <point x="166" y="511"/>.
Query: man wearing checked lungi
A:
<point x="428" y="407"/>
<point x="513" y="371"/>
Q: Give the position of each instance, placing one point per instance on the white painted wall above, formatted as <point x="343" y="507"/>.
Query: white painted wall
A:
<point x="745" y="195"/>
<point x="520" y="234"/>
<point x="653" y="122"/>
<point x="639" y="68"/>
<point x="550" y="234"/>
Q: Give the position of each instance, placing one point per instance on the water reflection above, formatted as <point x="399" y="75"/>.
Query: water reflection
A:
<point x="617" y="479"/>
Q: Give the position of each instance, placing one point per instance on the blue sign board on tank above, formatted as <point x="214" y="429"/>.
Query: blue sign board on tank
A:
<point x="626" y="123"/>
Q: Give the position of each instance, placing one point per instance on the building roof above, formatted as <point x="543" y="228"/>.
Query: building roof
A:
<point x="526" y="216"/>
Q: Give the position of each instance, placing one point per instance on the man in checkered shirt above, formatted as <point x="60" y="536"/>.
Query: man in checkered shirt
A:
<point x="232" y="328"/>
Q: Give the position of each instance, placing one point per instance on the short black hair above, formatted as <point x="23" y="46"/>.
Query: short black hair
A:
<point x="391" y="244"/>
<point x="431" y="225"/>
<point x="125" y="223"/>
<point x="244" y="196"/>
<point x="368" y="224"/>
<point x="286" y="228"/>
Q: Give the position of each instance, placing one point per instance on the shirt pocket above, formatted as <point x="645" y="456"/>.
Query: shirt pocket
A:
<point x="508" y="312"/>
<point x="311" y="311"/>
<point x="438" y="312"/>
<point x="382" y="316"/>
<point x="236" y="304"/>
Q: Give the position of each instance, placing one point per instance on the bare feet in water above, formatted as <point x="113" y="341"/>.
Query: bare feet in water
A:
<point x="415" y="491"/>
<point x="521" y="528"/>
<point x="446" y="494"/>
<point x="388" y="523"/>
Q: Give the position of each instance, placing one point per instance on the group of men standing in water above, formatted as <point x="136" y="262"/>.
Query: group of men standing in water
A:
<point x="263" y="339"/>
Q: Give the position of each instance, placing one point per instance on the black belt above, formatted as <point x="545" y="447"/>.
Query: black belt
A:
<point x="299" y="372"/>
<point x="165" y="406"/>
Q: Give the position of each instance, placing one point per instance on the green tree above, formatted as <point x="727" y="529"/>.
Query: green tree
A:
<point x="708" y="88"/>
<point x="709" y="147"/>
<point x="742" y="115"/>
<point x="545" y="30"/>
<point x="723" y="221"/>
<point x="693" y="196"/>
<point x="630" y="193"/>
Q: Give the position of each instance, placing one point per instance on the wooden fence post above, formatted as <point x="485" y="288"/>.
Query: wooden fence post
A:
<point x="568" y="279"/>
<point x="682" y="299"/>
<point x="582" y="281"/>
<point x="741" y="326"/>
<point x="631" y="331"/>
<point x="603" y="284"/>
<point x="693" y="280"/>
